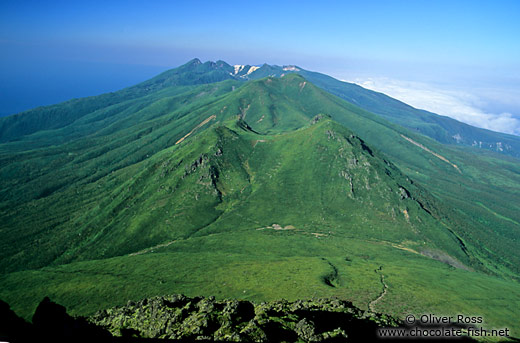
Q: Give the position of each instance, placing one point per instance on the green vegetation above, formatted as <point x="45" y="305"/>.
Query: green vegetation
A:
<point x="441" y="128"/>
<point x="262" y="190"/>
<point x="179" y="317"/>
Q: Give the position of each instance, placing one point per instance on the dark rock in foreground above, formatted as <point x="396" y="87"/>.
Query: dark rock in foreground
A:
<point x="50" y="323"/>
<point x="178" y="317"/>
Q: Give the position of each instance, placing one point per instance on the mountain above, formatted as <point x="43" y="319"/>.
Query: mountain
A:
<point x="276" y="108"/>
<point x="441" y="128"/>
<point x="203" y="182"/>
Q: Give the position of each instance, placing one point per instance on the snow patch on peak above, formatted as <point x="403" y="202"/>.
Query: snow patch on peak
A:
<point x="238" y="68"/>
<point x="252" y="69"/>
<point x="290" y="68"/>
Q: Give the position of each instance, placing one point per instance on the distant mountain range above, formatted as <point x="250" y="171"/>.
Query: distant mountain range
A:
<point x="258" y="183"/>
<point x="441" y="128"/>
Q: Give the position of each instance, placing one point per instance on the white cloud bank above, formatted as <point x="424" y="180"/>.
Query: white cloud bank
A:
<point x="459" y="105"/>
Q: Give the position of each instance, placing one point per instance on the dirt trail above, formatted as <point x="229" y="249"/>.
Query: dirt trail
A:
<point x="163" y="245"/>
<point x="404" y="248"/>
<point x="382" y="294"/>
<point x="144" y="251"/>
<point x="205" y="121"/>
<point x="431" y="152"/>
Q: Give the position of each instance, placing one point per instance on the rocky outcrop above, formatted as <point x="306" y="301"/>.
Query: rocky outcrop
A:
<point x="50" y="323"/>
<point x="179" y="317"/>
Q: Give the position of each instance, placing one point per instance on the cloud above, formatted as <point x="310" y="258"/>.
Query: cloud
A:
<point x="460" y="105"/>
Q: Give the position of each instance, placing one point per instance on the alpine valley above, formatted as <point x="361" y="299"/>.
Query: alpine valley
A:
<point x="258" y="183"/>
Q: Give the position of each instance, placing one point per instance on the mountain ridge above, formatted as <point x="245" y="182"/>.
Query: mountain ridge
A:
<point x="292" y="120"/>
<point x="441" y="128"/>
<point x="274" y="105"/>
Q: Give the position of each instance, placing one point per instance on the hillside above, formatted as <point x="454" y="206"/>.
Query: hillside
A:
<point x="258" y="190"/>
<point x="121" y="198"/>
<point x="441" y="128"/>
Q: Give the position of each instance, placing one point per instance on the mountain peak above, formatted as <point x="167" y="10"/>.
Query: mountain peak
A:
<point x="221" y="64"/>
<point x="291" y="68"/>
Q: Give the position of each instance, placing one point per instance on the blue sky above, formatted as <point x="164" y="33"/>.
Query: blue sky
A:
<point x="90" y="47"/>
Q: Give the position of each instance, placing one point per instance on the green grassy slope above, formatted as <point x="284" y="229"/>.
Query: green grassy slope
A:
<point x="191" y="184"/>
<point x="269" y="236"/>
<point x="98" y="108"/>
<point x="493" y="180"/>
<point x="99" y="143"/>
<point x="266" y="265"/>
<point x="122" y="211"/>
<point x="441" y="128"/>
<point x="63" y="177"/>
<point x="271" y="105"/>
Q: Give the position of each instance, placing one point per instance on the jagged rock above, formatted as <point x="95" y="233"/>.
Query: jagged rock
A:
<point x="306" y="331"/>
<point x="179" y="317"/>
<point x="403" y="193"/>
<point x="316" y="119"/>
<point x="199" y="162"/>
